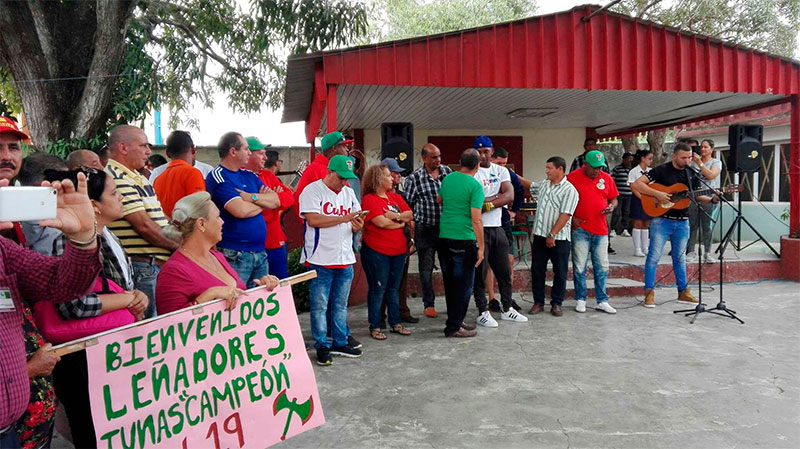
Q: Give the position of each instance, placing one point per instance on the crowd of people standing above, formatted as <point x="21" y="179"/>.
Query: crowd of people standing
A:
<point x="135" y="238"/>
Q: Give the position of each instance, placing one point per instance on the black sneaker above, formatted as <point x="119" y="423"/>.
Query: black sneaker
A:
<point x="353" y="343"/>
<point x="611" y="251"/>
<point x="494" y="305"/>
<point x="324" y="357"/>
<point x="346" y="351"/>
<point x="409" y="319"/>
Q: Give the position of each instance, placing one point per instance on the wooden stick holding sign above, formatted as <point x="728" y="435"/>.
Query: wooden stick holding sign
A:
<point x="81" y="343"/>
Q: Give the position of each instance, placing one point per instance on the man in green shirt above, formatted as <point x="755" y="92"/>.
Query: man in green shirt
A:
<point x="461" y="239"/>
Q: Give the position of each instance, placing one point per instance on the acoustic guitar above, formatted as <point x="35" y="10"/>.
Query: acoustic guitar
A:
<point x="679" y="197"/>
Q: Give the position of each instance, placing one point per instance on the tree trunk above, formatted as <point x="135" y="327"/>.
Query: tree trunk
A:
<point x="655" y="139"/>
<point x="64" y="83"/>
<point x="630" y="144"/>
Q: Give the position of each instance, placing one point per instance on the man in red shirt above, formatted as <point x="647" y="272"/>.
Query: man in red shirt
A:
<point x="597" y="198"/>
<point x="332" y="144"/>
<point x="275" y="243"/>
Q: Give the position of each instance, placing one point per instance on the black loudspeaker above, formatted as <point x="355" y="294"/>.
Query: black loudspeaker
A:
<point x="397" y="142"/>
<point x="745" y="145"/>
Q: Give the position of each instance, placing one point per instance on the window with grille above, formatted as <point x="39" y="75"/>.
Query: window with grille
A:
<point x="770" y="183"/>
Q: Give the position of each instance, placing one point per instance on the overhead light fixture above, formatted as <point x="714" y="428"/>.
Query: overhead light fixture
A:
<point x="531" y="112"/>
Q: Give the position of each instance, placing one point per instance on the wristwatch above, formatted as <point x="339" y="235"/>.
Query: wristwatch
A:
<point x="254" y="197"/>
<point x="550" y="235"/>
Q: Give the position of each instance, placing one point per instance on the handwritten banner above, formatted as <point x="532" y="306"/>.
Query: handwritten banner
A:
<point x="206" y="378"/>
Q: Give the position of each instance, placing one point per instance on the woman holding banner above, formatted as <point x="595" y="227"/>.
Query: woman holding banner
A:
<point x="197" y="273"/>
<point x="383" y="248"/>
<point x="112" y="303"/>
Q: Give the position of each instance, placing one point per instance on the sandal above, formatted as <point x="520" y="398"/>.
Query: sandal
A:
<point x="399" y="329"/>
<point x="377" y="334"/>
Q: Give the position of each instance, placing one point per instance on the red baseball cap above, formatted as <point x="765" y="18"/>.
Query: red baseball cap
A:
<point x="10" y="126"/>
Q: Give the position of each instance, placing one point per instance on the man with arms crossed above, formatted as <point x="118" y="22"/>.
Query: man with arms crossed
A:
<point x="498" y="192"/>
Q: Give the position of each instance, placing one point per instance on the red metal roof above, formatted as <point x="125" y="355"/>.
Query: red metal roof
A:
<point x="556" y="51"/>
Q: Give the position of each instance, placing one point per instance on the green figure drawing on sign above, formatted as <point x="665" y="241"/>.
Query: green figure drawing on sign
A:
<point x="304" y="410"/>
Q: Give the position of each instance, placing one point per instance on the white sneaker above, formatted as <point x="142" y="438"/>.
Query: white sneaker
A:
<point x="625" y="233"/>
<point x="606" y="307"/>
<point x="513" y="315"/>
<point x="580" y="307"/>
<point x="709" y="258"/>
<point x="485" y="319"/>
<point x="691" y="258"/>
<point x="639" y="253"/>
<point x="613" y="233"/>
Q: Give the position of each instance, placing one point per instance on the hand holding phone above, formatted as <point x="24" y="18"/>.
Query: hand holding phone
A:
<point x="27" y="203"/>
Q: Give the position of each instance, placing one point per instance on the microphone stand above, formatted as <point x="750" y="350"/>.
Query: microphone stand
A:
<point x="720" y="309"/>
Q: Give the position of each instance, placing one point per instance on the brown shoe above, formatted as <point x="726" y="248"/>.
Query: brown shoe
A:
<point x="469" y="327"/>
<point x="537" y="308"/>
<point x="461" y="333"/>
<point x="430" y="312"/>
<point x="686" y="297"/>
<point x="649" y="298"/>
<point x="555" y="310"/>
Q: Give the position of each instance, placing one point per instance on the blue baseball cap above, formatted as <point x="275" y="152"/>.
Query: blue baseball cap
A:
<point x="483" y="142"/>
<point x="392" y="165"/>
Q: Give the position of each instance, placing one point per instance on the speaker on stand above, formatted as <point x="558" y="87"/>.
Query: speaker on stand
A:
<point x="397" y="142"/>
<point x="744" y="157"/>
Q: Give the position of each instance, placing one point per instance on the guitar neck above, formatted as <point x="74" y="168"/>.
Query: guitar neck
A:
<point x="684" y="195"/>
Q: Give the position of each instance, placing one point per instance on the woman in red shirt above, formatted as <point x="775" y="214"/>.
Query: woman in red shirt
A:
<point x="383" y="247"/>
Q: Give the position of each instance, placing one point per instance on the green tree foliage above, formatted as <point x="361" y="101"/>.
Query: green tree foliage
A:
<point x="766" y="25"/>
<point x="400" y="19"/>
<point x="108" y="62"/>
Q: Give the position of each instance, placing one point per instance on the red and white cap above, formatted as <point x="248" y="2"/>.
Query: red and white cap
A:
<point x="8" y="126"/>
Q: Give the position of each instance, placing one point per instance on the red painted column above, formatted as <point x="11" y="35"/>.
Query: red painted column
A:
<point x="331" y="104"/>
<point x="794" y="168"/>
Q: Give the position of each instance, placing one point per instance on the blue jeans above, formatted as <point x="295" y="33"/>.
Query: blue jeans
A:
<point x="144" y="279"/>
<point x="384" y="274"/>
<point x="677" y="232"/>
<point x="583" y="244"/>
<point x="249" y="265"/>
<point x="9" y="440"/>
<point x="329" y="290"/>
<point x="278" y="262"/>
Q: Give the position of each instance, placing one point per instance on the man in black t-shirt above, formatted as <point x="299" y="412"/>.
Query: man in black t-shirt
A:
<point x="672" y="226"/>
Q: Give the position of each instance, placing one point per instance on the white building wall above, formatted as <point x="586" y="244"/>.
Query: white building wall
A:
<point x="537" y="144"/>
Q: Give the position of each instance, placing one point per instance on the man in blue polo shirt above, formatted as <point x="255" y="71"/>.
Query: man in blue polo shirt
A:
<point x="241" y="197"/>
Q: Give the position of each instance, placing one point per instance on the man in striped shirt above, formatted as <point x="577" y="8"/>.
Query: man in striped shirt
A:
<point x="139" y="231"/>
<point x="620" y="220"/>
<point x="551" y="235"/>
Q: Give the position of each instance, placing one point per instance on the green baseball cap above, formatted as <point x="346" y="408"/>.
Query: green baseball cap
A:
<point x="595" y="159"/>
<point x="342" y="165"/>
<point x="255" y="144"/>
<point x="330" y="140"/>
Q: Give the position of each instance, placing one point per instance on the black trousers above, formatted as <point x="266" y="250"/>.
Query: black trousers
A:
<point x="495" y="255"/>
<point x="621" y="217"/>
<point x="458" y="272"/>
<point x="427" y="242"/>
<point x="71" y="382"/>
<point x="559" y="256"/>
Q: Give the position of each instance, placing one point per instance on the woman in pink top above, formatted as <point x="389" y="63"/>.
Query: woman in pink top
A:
<point x="197" y="273"/>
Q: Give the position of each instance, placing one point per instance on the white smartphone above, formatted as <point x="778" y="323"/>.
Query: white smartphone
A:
<point x="27" y="203"/>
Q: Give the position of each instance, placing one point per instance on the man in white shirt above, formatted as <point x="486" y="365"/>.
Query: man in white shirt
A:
<point x="332" y="215"/>
<point x="498" y="192"/>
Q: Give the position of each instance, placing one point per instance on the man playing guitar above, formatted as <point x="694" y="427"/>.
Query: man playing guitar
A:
<point x="672" y="225"/>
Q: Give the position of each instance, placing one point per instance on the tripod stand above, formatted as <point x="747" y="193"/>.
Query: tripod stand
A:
<point x="721" y="308"/>
<point x="737" y="224"/>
